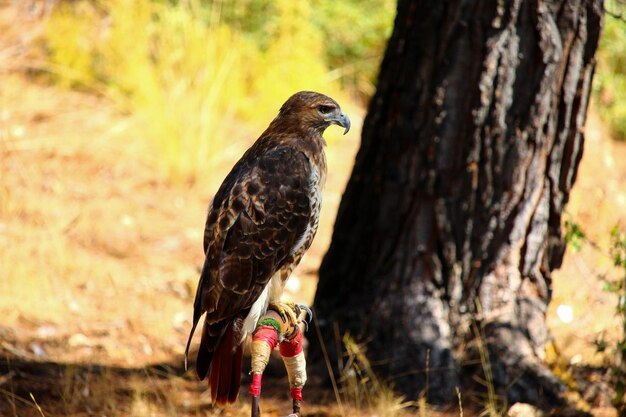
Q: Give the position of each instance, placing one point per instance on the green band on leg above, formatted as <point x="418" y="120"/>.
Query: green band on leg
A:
<point x="268" y="321"/>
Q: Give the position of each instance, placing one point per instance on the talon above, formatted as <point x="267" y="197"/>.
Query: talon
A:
<point x="307" y="317"/>
<point x="282" y="312"/>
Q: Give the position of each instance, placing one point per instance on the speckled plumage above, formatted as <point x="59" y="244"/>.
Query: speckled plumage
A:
<point x="261" y="221"/>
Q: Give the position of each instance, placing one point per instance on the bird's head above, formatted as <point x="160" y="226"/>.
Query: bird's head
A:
<point x="314" y="111"/>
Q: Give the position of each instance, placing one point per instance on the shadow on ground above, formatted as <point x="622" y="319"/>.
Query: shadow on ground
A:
<point x="30" y="387"/>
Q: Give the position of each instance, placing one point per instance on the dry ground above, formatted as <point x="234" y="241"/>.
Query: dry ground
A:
<point x="99" y="259"/>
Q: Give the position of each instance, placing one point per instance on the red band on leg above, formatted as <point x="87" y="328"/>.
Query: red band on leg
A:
<point x="290" y="348"/>
<point x="296" y="394"/>
<point x="255" y="385"/>
<point x="268" y="334"/>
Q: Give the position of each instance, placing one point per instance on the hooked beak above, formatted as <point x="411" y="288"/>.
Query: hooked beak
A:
<point x="342" y="120"/>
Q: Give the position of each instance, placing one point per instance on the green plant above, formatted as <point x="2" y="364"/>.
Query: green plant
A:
<point x="187" y="75"/>
<point x="350" y="51"/>
<point x="575" y="237"/>
<point x="354" y="51"/>
<point x="173" y="67"/>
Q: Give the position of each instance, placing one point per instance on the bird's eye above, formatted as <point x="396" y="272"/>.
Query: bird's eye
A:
<point x="325" y="109"/>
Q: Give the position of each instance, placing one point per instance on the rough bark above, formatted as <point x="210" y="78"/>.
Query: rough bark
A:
<point x="452" y="214"/>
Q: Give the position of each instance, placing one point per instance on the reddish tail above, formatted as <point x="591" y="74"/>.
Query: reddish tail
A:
<point x="225" y="363"/>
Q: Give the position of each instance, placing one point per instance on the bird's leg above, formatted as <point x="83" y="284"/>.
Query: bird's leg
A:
<point x="293" y="356"/>
<point x="291" y="349"/>
<point x="264" y="340"/>
<point x="271" y="329"/>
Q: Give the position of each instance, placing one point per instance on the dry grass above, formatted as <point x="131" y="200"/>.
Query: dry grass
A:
<point x="362" y="390"/>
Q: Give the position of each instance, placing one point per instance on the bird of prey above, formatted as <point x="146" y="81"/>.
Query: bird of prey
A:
<point x="261" y="221"/>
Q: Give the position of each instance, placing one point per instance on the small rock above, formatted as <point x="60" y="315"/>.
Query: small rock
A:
<point x="73" y="306"/>
<point x="47" y="331"/>
<point x="127" y="220"/>
<point x="80" y="339"/>
<point x="524" y="410"/>
<point x="576" y="359"/>
<point x="180" y="320"/>
<point x="18" y="131"/>
<point x="38" y="350"/>
<point x="565" y="313"/>
<point x="146" y="347"/>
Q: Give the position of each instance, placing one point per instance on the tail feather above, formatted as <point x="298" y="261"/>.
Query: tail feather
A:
<point x="235" y="383"/>
<point x="205" y="356"/>
<point x="224" y="377"/>
<point x="214" y="376"/>
<point x="224" y="359"/>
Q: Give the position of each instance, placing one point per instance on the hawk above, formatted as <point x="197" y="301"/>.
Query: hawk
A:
<point x="261" y="221"/>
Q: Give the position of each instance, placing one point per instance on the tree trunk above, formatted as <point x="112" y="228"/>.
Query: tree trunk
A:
<point x="451" y="221"/>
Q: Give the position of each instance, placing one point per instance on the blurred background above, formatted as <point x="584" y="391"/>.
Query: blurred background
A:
<point x="118" y="121"/>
